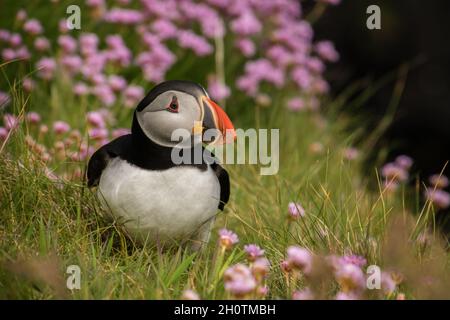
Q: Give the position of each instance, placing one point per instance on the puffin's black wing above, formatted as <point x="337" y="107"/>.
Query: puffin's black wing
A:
<point x="99" y="160"/>
<point x="224" y="181"/>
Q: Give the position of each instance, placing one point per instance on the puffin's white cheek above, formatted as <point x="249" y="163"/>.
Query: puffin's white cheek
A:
<point x="159" y="126"/>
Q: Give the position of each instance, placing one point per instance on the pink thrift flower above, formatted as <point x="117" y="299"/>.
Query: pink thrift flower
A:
<point x="296" y="104"/>
<point x="295" y="210"/>
<point x="404" y="162"/>
<point x="190" y="295"/>
<point x="300" y="259"/>
<point x="189" y="40"/>
<point x="120" y="132"/>
<point x="350" y="277"/>
<point x="326" y="50"/>
<point x="61" y="127"/>
<point x="346" y="296"/>
<point x="21" y="15"/>
<point x="33" y="117"/>
<point x="117" y="83"/>
<point x="351" y="153"/>
<point x="133" y="94"/>
<point x="246" y="24"/>
<point x="28" y="84"/>
<point x="15" y="40"/>
<point x="123" y="16"/>
<point x="388" y="284"/>
<point x="439" y="198"/>
<point x="67" y="43"/>
<point x="46" y="68"/>
<point x="3" y="133"/>
<point x="33" y="27"/>
<point x="253" y="251"/>
<point x="438" y="181"/>
<point x="41" y="44"/>
<point x="260" y="268"/>
<point x="8" y="54"/>
<point x="217" y="89"/>
<point x="165" y="29"/>
<point x="5" y="99"/>
<point x="358" y="261"/>
<point x="98" y="133"/>
<point x="305" y="294"/>
<point x="95" y="119"/>
<point x="246" y="46"/>
<point x="105" y="94"/>
<point x="227" y="238"/>
<point x="10" y="121"/>
<point x="80" y="89"/>
<point x="392" y="171"/>
<point x="239" y="280"/>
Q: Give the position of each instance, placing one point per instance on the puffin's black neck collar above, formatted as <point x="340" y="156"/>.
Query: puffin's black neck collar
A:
<point x="147" y="154"/>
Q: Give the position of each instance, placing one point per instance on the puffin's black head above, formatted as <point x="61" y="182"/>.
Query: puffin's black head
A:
<point x="175" y="105"/>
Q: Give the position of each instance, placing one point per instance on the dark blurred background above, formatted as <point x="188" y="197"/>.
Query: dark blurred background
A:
<point x="413" y="33"/>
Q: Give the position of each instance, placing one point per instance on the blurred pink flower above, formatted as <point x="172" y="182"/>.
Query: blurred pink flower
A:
<point x="33" y="27"/>
<point x="67" y="43"/>
<point x="10" y="121"/>
<point x="305" y="294"/>
<point x="33" y="117"/>
<point x="253" y="251"/>
<point x="388" y="284"/>
<point x="227" y="238"/>
<point x="326" y="50"/>
<point x="61" y="127"/>
<point x="189" y="40"/>
<point x="239" y="280"/>
<point x="217" y="89"/>
<point x="260" y="267"/>
<point x="28" y="84"/>
<point x="350" y="277"/>
<point x="295" y="210"/>
<point x="246" y="24"/>
<point x="351" y="153"/>
<point x="21" y="15"/>
<point x="246" y="46"/>
<point x="190" y="295"/>
<point x="123" y="16"/>
<point x="105" y="94"/>
<point x="133" y="94"/>
<point x="46" y="68"/>
<point x="120" y="132"/>
<point x="302" y="78"/>
<point x="71" y="63"/>
<point x="438" y="181"/>
<point x="346" y="296"/>
<point x="8" y="54"/>
<point x="165" y="29"/>
<point x="41" y="44"/>
<point x="95" y="119"/>
<point x="358" y="261"/>
<point x="3" y="133"/>
<point x="300" y="259"/>
<point x="296" y="104"/>
<point x="439" y="198"/>
<point x="15" y="40"/>
<point x="393" y="171"/>
<point x="98" y="133"/>
<point x="80" y="89"/>
<point x="404" y="162"/>
<point x="5" y="99"/>
<point x="117" y="83"/>
<point x="88" y="43"/>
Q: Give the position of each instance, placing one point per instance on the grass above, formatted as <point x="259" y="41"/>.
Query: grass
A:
<point x="47" y="225"/>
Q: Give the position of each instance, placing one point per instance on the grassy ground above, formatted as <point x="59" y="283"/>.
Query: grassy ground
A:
<point x="47" y="225"/>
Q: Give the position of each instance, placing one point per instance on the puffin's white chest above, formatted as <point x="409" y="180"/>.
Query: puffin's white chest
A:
<point x="166" y="204"/>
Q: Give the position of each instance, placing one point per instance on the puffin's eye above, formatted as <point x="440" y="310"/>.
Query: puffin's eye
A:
<point x="173" y="106"/>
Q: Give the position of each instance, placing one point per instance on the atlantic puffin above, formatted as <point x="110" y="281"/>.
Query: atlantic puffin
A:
<point x="141" y="186"/>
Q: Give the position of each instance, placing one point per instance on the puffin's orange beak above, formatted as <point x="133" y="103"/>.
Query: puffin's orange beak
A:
<point x="215" y="117"/>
